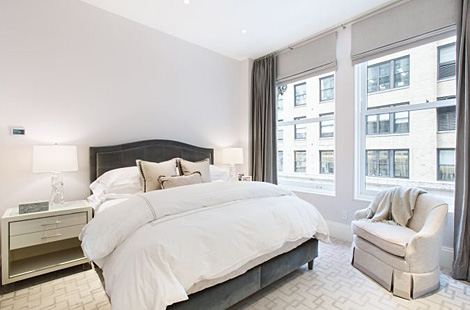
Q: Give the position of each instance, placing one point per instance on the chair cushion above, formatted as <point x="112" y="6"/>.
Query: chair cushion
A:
<point x="391" y="238"/>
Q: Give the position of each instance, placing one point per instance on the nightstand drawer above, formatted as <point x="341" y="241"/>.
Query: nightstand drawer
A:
<point x="25" y="240"/>
<point x="47" y="223"/>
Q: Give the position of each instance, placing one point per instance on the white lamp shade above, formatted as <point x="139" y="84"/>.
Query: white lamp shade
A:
<point x="55" y="158"/>
<point x="232" y="156"/>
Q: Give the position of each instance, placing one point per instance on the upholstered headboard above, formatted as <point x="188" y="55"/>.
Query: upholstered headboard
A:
<point x="105" y="158"/>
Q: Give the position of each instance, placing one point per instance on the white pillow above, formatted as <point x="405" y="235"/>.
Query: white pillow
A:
<point x="115" y="184"/>
<point x="219" y="173"/>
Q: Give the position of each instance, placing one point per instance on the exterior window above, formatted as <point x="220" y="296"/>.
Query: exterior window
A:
<point x="446" y="116"/>
<point x="280" y="103"/>
<point x="446" y="165"/>
<point x="280" y="132"/>
<point x="389" y="74"/>
<point x="327" y="162"/>
<point x="327" y="88"/>
<point x="327" y="128"/>
<point x="300" y="130"/>
<point x="397" y="122"/>
<point x="446" y="58"/>
<point x="387" y="163"/>
<point x="280" y="160"/>
<point x="300" y="161"/>
<point x="300" y="94"/>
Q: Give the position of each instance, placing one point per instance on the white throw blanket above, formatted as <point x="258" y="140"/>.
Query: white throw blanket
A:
<point x="155" y="246"/>
<point x="394" y="205"/>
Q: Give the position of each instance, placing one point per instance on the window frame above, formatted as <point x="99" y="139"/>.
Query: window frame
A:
<point x="280" y="161"/>
<point x="439" y="163"/>
<point x="295" y="94"/>
<point x="299" y="118"/>
<point x="439" y="48"/>
<point x="320" y="89"/>
<point x="391" y="120"/>
<point x="391" y="163"/>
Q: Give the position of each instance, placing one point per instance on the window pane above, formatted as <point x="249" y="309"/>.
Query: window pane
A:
<point x="280" y="160"/>
<point x="406" y="140"/>
<point x="300" y="93"/>
<point x="280" y="134"/>
<point x="327" y="88"/>
<point x="327" y="162"/>
<point x="446" y="165"/>
<point x="384" y="164"/>
<point x="402" y="72"/>
<point x="300" y="129"/>
<point x="300" y="161"/>
<point x="401" y="163"/>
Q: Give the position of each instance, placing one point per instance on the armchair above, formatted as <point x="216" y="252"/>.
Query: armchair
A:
<point x="404" y="260"/>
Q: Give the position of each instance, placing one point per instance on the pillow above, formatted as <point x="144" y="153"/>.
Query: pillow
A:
<point x="188" y="167"/>
<point x="175" y="181"/>
<point x="151" y="171"/>
<point x="219" y="173"/>
<point x="116" y="183"/>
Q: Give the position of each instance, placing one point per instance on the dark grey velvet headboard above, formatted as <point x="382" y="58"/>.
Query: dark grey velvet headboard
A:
<point x="105" y="158"/>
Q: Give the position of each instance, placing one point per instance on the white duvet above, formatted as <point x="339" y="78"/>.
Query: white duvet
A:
<point x="155" y="246"/>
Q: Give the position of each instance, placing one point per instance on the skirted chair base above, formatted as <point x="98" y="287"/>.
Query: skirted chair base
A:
<point x="392" y="272"/>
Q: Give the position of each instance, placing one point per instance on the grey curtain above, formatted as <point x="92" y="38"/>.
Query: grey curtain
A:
<point x="263" y="120"/>
<point x="461" y="264"/>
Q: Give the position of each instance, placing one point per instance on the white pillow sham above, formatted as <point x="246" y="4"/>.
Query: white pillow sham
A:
<point x="115" y="184"/>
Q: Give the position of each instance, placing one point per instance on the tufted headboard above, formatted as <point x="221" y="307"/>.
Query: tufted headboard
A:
<point x="105" y="158"/>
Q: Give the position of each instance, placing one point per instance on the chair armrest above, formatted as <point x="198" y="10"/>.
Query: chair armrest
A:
<point x="361" y="214"/>
<point x="422" y="253"/>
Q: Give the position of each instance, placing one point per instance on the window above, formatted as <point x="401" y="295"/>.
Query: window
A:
<point x="306" y="134"/>
<point x="300" y="130"/>
<point x="327" y="128"/>
<point x="388" y="123"/>
<point x="446" y="117"/>
<point x="300" y="94"/>
<point x="281" y="89"/>
<point x="280" y="160"/>
<point x="389" y="74"/>
<point x="410" y="143"/>
<point x="327" y="88"/>
<point x="446" y="58"/>
<point x="280" y="132"/>
<point x="327" y="162"/>
<point x="387" y="163"/>
<point x="300" y="161"/>
<point x="446" y="165"/>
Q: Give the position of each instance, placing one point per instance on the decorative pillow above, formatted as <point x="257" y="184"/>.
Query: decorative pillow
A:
<point x="219" y="173"/>
<point x="175" y="181"/>
<point x="116" y="183"/>
<point x="151" y="171"/>
<point x="188" y="167"/>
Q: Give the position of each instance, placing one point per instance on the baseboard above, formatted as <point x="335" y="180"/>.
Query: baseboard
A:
<point x="343" y="232"/>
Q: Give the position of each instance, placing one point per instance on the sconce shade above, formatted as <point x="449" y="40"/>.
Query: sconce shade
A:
<point x="232" y="156"/>
<point x="55" y="158"/>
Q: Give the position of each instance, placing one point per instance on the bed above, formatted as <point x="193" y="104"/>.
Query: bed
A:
<point x="218" y="292"/>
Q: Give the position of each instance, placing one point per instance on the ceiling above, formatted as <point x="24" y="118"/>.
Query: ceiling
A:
<point x="217" y="24"/>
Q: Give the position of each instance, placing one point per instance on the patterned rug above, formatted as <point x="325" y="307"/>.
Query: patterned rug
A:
<point x="333" y="284"/>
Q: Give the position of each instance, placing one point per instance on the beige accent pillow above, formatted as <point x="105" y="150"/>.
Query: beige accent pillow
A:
<point x="175" y="181"/>
<point x="151" y="171"/>
<point x="188" y="167"/>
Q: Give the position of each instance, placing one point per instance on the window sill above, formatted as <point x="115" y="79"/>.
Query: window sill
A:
<point x="310" y="191"/>
<point x="446" y="131"/>
<point x="327" y="101"/>
<point x="446" y="79"/>
<point x="387" y="90"/>
<point x="300" y="106"/>
<point x="381" y="135"/>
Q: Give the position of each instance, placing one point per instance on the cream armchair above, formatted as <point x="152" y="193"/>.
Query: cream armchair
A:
<point x="404" y="260"/>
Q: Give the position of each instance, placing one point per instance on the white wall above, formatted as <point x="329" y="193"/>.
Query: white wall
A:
<point x="74" y="74"/>
<point x="331" y="207"/>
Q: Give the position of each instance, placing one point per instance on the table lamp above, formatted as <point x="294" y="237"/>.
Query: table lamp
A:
<point x="55" y="159"/>
<point x="232" y="156"/>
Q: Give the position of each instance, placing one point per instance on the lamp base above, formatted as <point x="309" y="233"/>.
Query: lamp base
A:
<point x="57" y="194"/>
<point x="233" y="173"/>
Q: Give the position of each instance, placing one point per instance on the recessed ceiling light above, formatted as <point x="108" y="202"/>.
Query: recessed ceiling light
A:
<point x="187" y="1"/>
<point x="244" y="31"/>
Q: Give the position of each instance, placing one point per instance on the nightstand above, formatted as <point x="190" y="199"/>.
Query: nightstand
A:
<point x="37" y="243"/>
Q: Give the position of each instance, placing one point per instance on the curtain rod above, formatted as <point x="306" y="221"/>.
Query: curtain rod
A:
<point x="316" y="36"/>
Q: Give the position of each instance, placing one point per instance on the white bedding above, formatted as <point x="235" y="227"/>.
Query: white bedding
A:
<point x="154" y="247"/>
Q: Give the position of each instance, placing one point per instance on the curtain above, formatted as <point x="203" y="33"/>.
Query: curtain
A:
<point x="263" y="120"/>
<point x="461" y="264"/>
